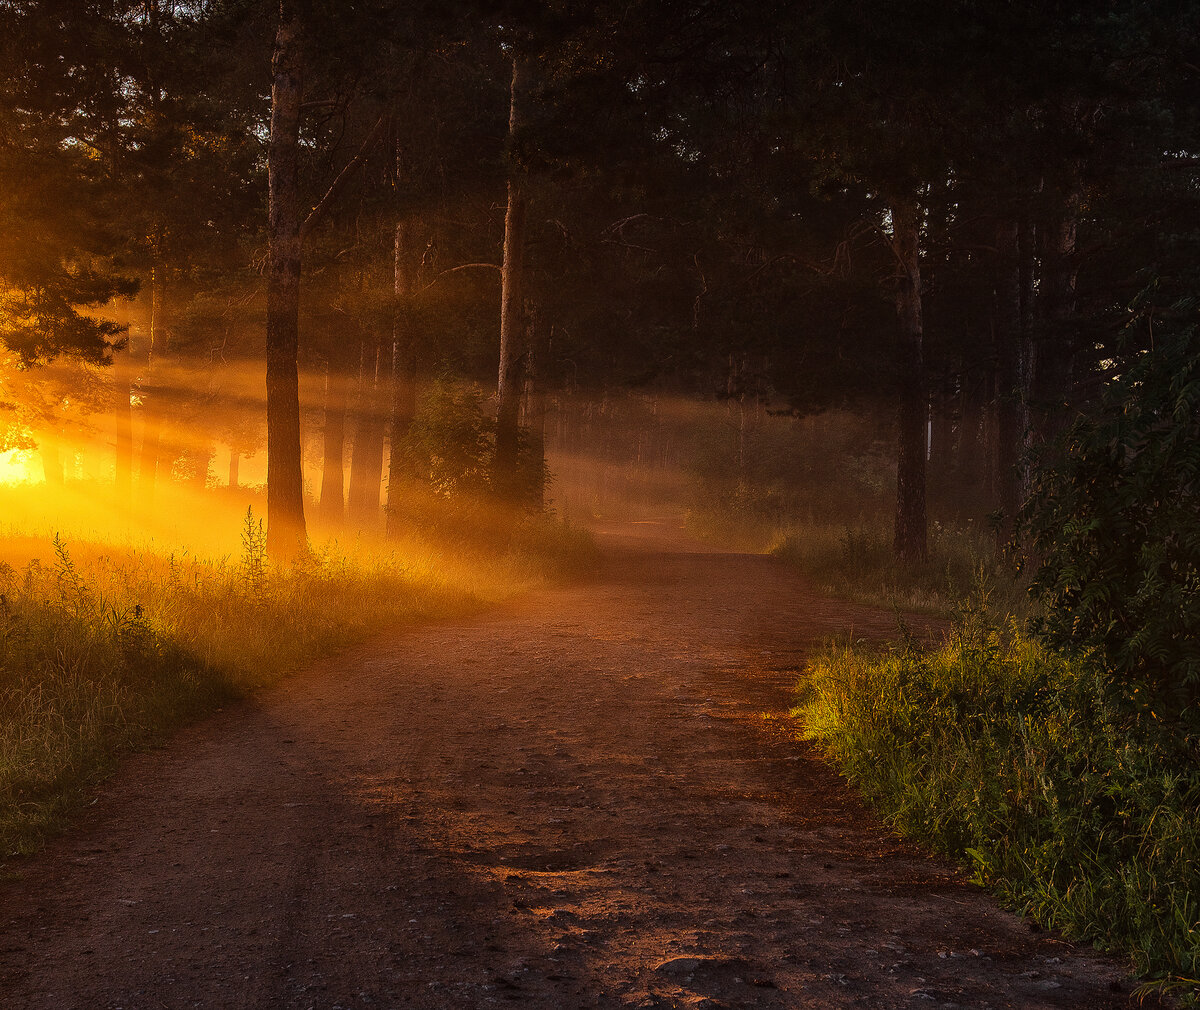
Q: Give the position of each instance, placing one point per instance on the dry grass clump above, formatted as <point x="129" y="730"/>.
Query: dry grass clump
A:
<point x="105" y="650"/>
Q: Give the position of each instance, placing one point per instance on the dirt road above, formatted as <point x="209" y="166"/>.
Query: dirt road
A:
<point x="571" y="802"/>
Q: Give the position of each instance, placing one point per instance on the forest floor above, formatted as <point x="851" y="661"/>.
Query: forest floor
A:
<point x="579" y="799"/>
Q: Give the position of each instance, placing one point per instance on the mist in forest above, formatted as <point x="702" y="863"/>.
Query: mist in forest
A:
<point x="172" y="453"/>
<point x="371" y="273"/>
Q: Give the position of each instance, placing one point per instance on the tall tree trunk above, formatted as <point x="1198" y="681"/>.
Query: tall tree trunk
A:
<point x="910" y="540"/>
<point x="201" y="463"/>
<point x="152" y="426"/>
<point x="52" y="465"/>
<point x="123" y="422"/>
<point x="404" y="372"/>
<point x="1028" y="274"/>
<point x="1053" y="375"/>
<point x="366" y="457"/>
<point x="153" y="413"/>
<point x="970" y="435"/>
<point x="153" y="408"/>
<point x="1010" y="417"/>
<point x="286" y="535"/>
<point x="1027" y="253"/>
<point x="512" y="323"/>
<point x="333" y="469"/>
<point x="235" y="460"/>
<point x="535" y="411"/>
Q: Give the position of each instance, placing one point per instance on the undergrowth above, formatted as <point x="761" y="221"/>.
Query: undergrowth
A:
<point x="1075" y="804"/>
<point x="857" y="560"/>
<point x="860" y="564"/>
<point x="105" y="651"/>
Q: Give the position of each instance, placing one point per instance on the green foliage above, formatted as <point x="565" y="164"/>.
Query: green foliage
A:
<point x="860" y="564"/>
<point x="1114" y="527"/>
<point x="1022" y="763"/>
<point x="59" y="223"/>
<point x="451" y="440"/>
<point x="451" y="443"/>
<point x="82" y="677"/>
<point x="254" y="553"/>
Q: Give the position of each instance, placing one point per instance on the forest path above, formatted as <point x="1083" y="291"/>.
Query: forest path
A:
<point x="570" y="802"/>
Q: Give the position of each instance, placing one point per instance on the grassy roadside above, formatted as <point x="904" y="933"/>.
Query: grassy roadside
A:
<point x="1073" y="802"/>
<point x="860" y="564"/>
<point x="103" y="651"/>
<point x="1074" y="807"/>
<point x="857" y="562"/>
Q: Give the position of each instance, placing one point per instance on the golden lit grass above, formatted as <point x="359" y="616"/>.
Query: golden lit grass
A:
<point x="106" y="648"/>
<point x="1075" y="805"/>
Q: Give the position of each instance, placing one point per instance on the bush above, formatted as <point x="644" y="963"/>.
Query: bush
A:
<point x="450" y="442"/>
<point x="1113" y="524"/>
<point x="861" y="564"/>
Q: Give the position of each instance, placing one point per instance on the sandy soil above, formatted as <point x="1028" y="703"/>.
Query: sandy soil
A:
<point x="571" y="802"/>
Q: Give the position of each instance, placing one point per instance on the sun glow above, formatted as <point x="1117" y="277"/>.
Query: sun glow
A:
<point x="17" y="467"/>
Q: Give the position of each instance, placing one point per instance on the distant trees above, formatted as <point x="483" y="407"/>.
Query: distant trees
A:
<point x="944" y="210"/>
<point x="285" y="483"/>
<point x="978" y="144"/>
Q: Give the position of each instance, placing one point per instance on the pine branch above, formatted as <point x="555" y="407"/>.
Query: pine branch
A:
<point x="343" y="177"/>
<point x="454" y="270"/>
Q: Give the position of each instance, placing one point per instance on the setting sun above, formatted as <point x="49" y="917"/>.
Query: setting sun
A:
<point x="17" y="467"/>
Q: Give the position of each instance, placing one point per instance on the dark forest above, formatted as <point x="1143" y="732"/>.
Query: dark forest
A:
<point x="836" y="361"/>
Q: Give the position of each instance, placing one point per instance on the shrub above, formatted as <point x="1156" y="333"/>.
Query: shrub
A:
<point x="861" y="564"/>
<point x="450" y="443"/>
<point x="1113" y="524"/>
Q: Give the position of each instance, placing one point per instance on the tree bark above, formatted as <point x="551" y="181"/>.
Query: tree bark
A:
<point x="512" y="323"/>
<point x="52" y="465"/>
<point x="1010" y="405"/>
<point x="333" y="468"/>
<point x="970" y="436"/>
<point x="910" y="542"/>
<point x="535" y="411"/>
<point x="152" y="406"/>
<point x="1053" y="376"/>
<point x="404" y="372"/>
<point x="286" y="535"/>
<point x="366" y="457"/>
<point x="201" y="463"/>
<point x="123" y="418"/>
<point x="235" y="459"/>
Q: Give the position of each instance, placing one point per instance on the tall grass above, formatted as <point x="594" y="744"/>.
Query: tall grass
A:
<point x="860" y="564"/>
<point x="1078" y="807"/>
<point x="102" y="651"/>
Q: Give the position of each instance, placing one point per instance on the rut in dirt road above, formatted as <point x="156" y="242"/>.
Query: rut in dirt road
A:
<point x="574" y="802"/>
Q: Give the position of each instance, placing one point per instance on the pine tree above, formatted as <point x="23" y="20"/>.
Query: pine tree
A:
<point x="58" y="217"/>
